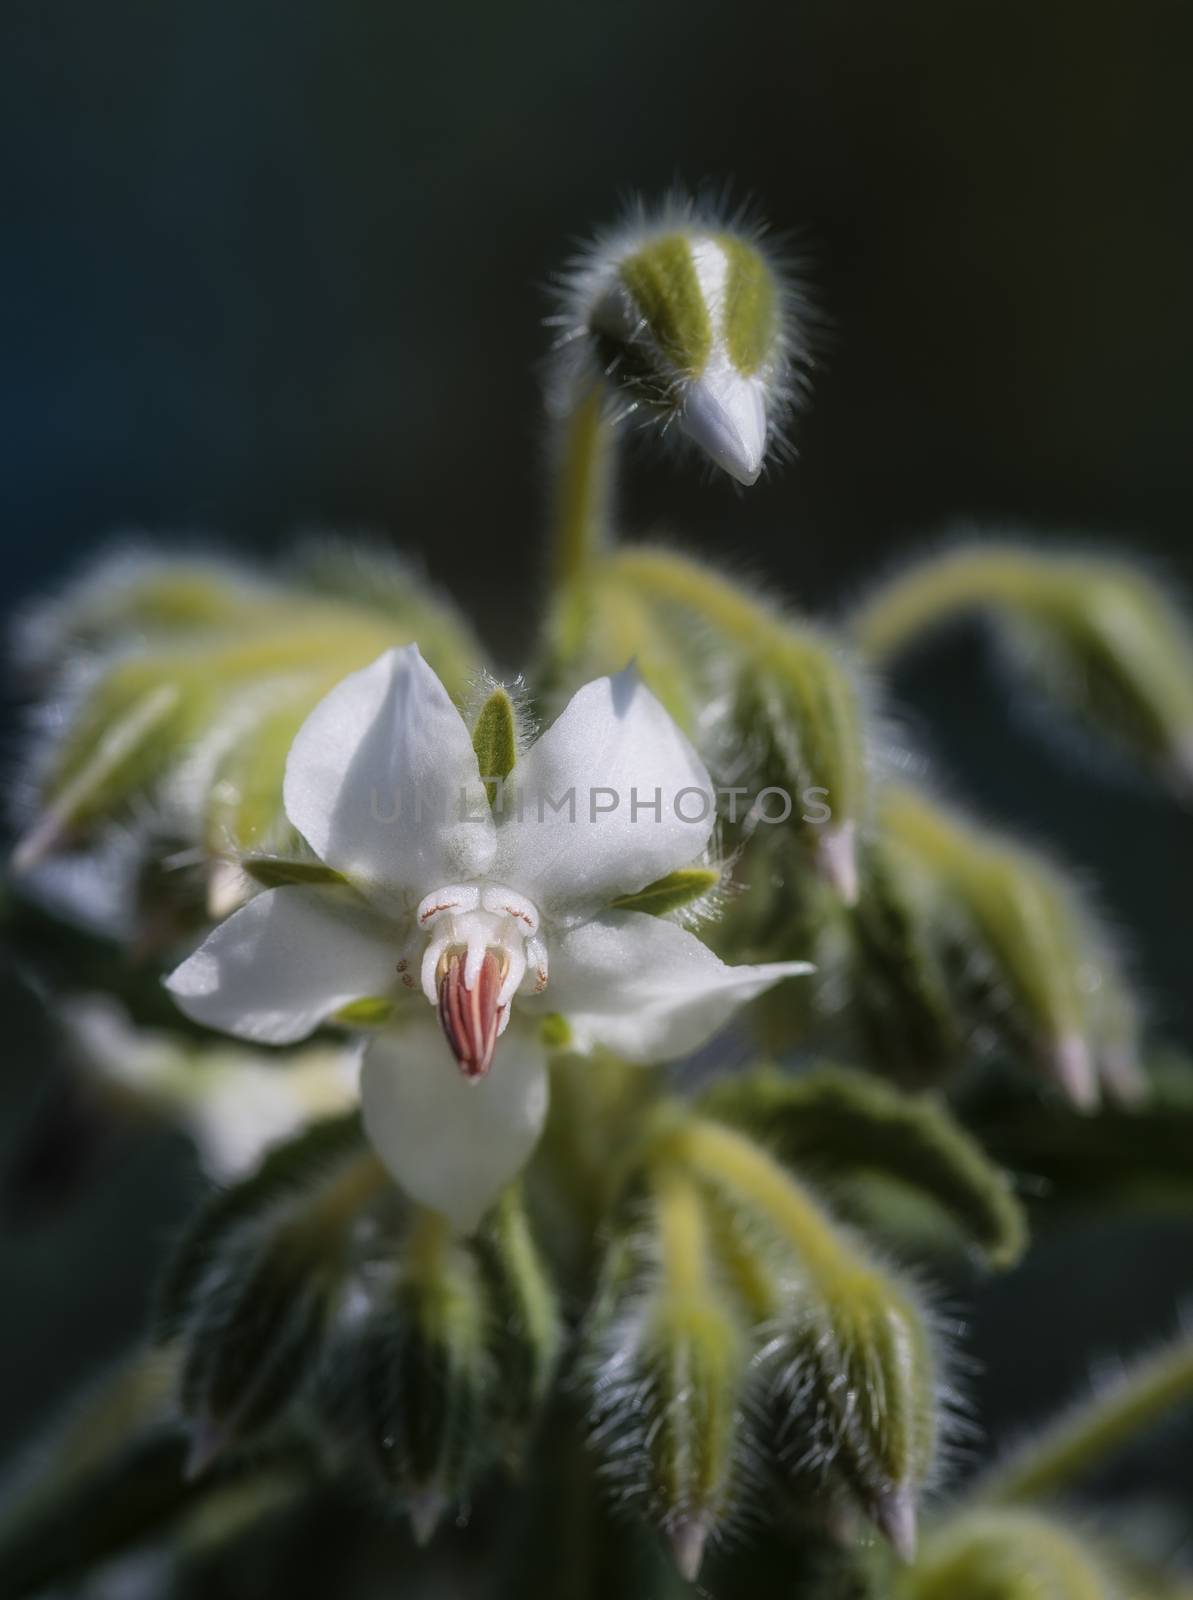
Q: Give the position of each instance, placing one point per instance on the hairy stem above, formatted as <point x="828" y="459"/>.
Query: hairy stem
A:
<point x="1080" y="1440"/>
<point x="583" y="474"/>
<point x="942" y="587"/>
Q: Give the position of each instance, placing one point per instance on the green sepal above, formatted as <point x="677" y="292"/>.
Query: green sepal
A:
<point x="278" y="872"/>
<point x="372" y="1011"/>
<point x="751" y="314"/>
<point x="672" y="893"/>
<point x="495" y="740"/>
<point x="662" y="281"/>
<point x="555" y="1032"/>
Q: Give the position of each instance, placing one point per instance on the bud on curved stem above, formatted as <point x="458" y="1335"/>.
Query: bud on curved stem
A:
<point x="1058" y="992"/>
<point x="689" y="324"/>
<point x="253" y="1300"/>
<point x="851" y="1365"/>
<point x="1100" y="638"/>
<point x="422" y="1377"/>
<point x="798" y="705"/>
<point x="668" y="1361"/>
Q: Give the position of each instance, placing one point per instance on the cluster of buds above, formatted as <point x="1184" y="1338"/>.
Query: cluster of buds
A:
<point x="302" y="792"/>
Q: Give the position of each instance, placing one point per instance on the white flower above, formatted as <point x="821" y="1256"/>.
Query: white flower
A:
<point x="496" y="917"/>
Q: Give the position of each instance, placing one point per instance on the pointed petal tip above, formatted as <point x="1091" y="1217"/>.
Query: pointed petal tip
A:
<point x="227" y="888"/>
<point x="426" y="1512"/>
<point x="32" y="848"/>
<point x="836" y="859"/>
<point x="895" y="1515"/>
<point x="208" y="1440"/>
<point x="688" y="1538"/>
<point x="724" y="414"/>
<point x="1073" y="1066"/>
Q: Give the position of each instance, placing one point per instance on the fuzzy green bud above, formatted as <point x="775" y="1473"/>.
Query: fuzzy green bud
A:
<point x="526" y="1325"/>
<point x="417" y="1379"/>
<point x="204" y="674"/>
<point x="797" y="707"/>
<point x="255" y="1282"/>
<point x="851" y="1364"/>
<point x="667" y="1362"/>
<point x="1098" y="638"/>
<point x="1038" y="967"/>
<point x="689" y="321"/>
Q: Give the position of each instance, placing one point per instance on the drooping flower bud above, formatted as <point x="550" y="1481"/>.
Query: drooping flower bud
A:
<point x="1032" y="963"/>
<point x="526" y="1326"/>
<point x="413" y="1384"/>
<point x="1097" y="638"/>
<point x="255" y="1283"/>
<point x="199" y="674"/>
<point x="791" y="710"/>
<point x="667" y="1365"/>
<point x="691" y="321"/>
<point x="851" y="1364"/>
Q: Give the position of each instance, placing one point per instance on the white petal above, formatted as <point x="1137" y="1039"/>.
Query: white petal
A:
<point x="382" y="781"/>
<point x="725" y="414"/>
<point x="452" y="1143"/>
<point x="284" y="963"/>
<point x="648" y="989"/>
<point x="579" y="825"/>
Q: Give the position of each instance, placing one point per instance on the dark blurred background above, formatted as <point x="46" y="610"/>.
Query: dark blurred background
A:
<point x="274" y="266"/>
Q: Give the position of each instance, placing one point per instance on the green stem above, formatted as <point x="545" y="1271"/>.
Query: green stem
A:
<point x="581" y="520"/>
<point x="1089" y="1433"/>
<point x="676" y="580"/>
<point x="936" y="590"/>
<point x="679" y="1216"/>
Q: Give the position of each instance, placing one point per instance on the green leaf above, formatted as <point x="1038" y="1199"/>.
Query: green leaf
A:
<point x="672" y="893"/>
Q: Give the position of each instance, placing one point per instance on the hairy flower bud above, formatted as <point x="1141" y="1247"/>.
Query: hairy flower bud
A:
<point x="791" y="715"/>
<point x="691" y="321"/>
<point x="415" y="1380"/>
<point x="256" y="1281"/>
<point x="199" y="676"/>
<point x="526" y="1327"/>
<point x="851" y="1364"/>
<point x="1099" y="638"/>
<point x="1032" y="963"/>
<point x="667" y="1362"/>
